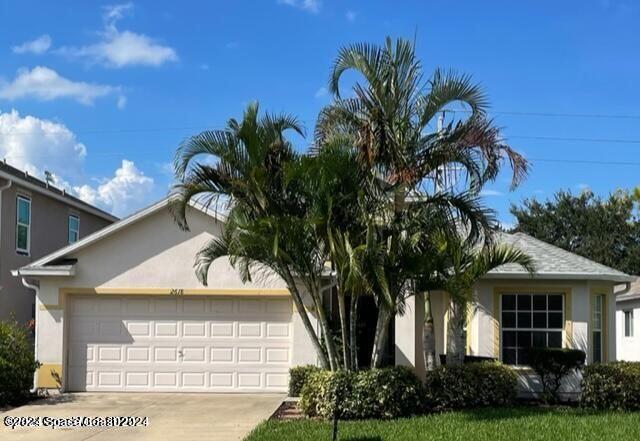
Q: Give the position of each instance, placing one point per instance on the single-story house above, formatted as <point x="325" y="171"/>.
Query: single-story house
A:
<point x="121" y="310"/>
<point x="628" y="323"/>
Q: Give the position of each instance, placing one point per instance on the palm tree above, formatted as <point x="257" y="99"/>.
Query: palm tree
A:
<point x="245" y="167"/>
<point x="465" y="264"/>
<point x="388" y="119"/>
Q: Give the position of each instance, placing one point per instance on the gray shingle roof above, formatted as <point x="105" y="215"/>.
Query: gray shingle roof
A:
<point x="554" y="262"/>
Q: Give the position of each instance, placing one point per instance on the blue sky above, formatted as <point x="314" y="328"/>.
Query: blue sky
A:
<point x="100" y="94"/>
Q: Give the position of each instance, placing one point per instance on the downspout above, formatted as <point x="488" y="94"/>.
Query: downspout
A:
<point x="3" y="188"/>
<point x="36" y="288"/>
<point x="627" y="287"/>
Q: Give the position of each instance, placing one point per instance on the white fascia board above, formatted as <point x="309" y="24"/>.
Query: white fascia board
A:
<point x="562" y="276"/>
<point x="57" y="270"/>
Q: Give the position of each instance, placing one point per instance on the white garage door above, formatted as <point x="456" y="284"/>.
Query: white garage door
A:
<point x="187" y="344"/>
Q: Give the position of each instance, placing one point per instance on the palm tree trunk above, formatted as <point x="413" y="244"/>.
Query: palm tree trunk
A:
<point x="382" y="333"/>
<point x="455" y="333"/>
<point x="324" y="328"/>
<point x="346" y="344"/>
<point x="428" y="335"/>
<point x="353" y="338"/>
<point x="308" y="326"/>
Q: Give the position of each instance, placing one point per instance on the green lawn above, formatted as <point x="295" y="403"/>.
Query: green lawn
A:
<point x="516" y="424"/>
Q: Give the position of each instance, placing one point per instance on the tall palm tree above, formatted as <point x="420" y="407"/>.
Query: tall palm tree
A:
<point x="244" y="167"/>
<point x="465" y="264"/>
<point x="388" y="117"/>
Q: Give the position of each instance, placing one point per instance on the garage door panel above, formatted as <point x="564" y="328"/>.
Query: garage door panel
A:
<point x="138" y="306"/>
<point x="221" y="306"/>
<point x="137" y="379"/>
<point x="194" y="329"/>
<point x="194" y="306"/>
<point x="166" y="306"/>
<point x="244" y="346"/>
<point x="138" y="354"/>
<point x="250" y="330"/>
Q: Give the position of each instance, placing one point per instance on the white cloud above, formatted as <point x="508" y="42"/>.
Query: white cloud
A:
<point x="507" y="226"/>
<point x="113" y="13"/>
<point x="122" y="102"/>
<point x="124" y="192"/>
<point x="321" y="92"/>
<point x="312" y="6"/>
<point x="36" y="145"/>
<point x="38" y="46"/>
<point x="351" y="16"/>
<point x="119" y="49"/>
<point x="489" y="192"/>
<point x="46" y="84"/>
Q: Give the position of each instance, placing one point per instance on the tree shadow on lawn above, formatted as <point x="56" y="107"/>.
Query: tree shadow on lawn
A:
<point x="364" y="438"/>
<point x="517" y="412"/>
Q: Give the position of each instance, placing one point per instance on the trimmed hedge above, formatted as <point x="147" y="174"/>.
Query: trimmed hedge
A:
<point x="554" y="364"/>
<point x="298" y="377"/>
<point x="469" y="386"/>
<point x="374" y="393"/>
<point x="613" y="386"/>
<point x="17" y="364"/>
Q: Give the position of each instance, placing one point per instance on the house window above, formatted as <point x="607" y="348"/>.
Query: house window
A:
<point x="23" y="224"/>
<point x="530" y="320"/>
<point x="596" y="331"/>
<point x="74" y="228"/>
<point x="628" y="323"/>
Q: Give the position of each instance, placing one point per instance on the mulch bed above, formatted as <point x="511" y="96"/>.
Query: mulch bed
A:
<point x="287" y="411"/>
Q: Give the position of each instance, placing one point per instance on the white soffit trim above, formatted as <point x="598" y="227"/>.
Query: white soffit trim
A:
<point x="117" y="226"/>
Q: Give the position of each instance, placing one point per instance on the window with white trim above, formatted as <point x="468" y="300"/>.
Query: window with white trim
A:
<point x="74" y="228"/>
<point x="23" y="224"/>
<point x="628" y="323"/>
<point x="596" y="332"/>
<point x="530" y="320"/>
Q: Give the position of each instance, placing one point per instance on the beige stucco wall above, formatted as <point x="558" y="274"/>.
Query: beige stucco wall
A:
<point x="628" y="347"/>
<point x="484" y="330"/>
<point x="49" y="229"/>
<point x="152" y="256"/>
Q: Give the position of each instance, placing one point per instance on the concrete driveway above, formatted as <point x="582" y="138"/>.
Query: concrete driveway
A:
<point x="181" y="417"/>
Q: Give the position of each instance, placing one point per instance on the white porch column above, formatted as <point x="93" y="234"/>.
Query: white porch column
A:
<point x="408" y="335"/>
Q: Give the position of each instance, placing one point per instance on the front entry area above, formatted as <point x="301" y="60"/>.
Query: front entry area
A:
<point x="173" y="343"/>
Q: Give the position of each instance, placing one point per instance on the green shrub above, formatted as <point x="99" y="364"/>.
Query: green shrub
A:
<point x="552" y="365"/>
<point x="613" y="386"/>
<point x="469" y="386"/>
<point x="298" y="377"/>
<point x="374" y="393"/>
<point x="17" y="364"/>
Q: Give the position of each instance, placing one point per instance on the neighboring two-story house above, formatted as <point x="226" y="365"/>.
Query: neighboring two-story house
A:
<point x="628" y="323"/>
<point x="36" y="219"/>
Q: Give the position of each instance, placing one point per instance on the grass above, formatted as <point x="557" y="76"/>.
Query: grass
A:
<point x="530" y="424"/>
